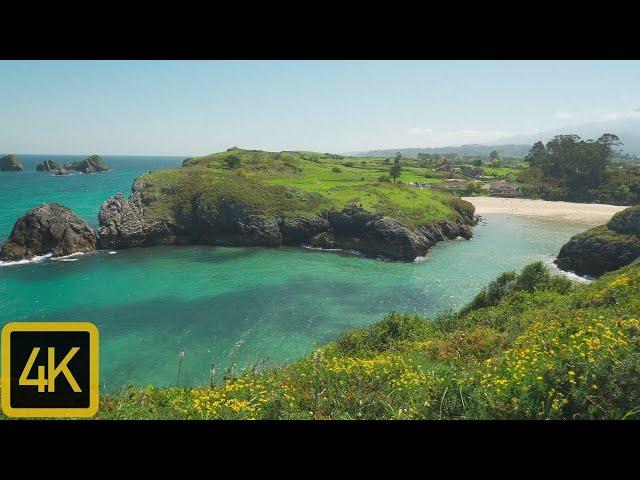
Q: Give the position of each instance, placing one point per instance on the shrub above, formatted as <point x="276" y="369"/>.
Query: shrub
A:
<point x="384" y="179"/>
<point x="336" y="170"/>
<point x="384" y="335"/>
<point x="534" y="277"/>
<point x="232" y="162"/>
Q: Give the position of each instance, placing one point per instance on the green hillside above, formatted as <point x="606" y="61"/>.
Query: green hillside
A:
<point x="296" y="183"/>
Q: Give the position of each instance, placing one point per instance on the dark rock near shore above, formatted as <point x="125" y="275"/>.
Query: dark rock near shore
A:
<point x="61" y="171"/>
<point x="10" y="163"/>
<point x="50" y="228"/>
<point x="47" y="166"/>
<point x="605" y="248"/>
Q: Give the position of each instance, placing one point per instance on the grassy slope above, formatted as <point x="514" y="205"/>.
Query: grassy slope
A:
<point x="296" y="183"/>
<point x="539" y="352"/>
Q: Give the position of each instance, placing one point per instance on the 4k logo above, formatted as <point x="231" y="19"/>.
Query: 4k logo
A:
<point x="50" y="369"/>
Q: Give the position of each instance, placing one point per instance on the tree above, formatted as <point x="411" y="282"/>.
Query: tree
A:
<point x="579" y="167"/>
<point x="537" y="155"/>
<point x="232" y="162"/>
<point x="395" y="171"/>
<point x="398" y="158"/>
<point x="494" y="155"/>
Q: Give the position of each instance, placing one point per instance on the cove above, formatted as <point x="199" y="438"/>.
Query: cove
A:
<point x="243" y="305"/>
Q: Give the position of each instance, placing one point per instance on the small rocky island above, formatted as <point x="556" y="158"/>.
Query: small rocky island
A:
<point x="10" y="163"/>
<point x="92" y="164"/>
<point x="47" y="166"/>
<point x="50" y="228"/>
<point x="605" y="248"/>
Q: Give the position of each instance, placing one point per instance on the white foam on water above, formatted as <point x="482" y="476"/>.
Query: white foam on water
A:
<point x="69" y="258"/>
<point x="112" y="253"/>
<point x="36" y="259"/>
<point x="574" y="277"/>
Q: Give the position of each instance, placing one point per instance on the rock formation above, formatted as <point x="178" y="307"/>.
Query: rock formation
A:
<point x="47" y="166"/>
<point x="10" y="163"/>
<point x="605" y="248"/>
<point x="50" y="228"/>
<point x="92" y="164"/>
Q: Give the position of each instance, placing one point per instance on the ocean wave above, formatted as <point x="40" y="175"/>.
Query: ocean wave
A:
<point x="36" y="259"/>
<point x="574" y="277"/>
<point x="69" y="258"/>
<point x="320" y="249"/>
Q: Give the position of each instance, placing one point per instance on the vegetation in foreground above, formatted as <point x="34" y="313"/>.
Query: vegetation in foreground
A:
<point x="530" y="346"/>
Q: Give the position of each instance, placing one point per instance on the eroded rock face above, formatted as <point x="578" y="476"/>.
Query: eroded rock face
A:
<point x="354" y="228"/>
<point x="47" y="166"/>
<point x="50" y="228"/>
<point x="605" y="248"/>
<point x="10" y="163"/>
<point x="122" y="223"/>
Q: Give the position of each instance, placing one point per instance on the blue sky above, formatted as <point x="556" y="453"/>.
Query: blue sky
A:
<point x="196" y="107"/>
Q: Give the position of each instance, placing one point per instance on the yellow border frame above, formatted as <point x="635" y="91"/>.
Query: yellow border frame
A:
<point x="94" y="356"/>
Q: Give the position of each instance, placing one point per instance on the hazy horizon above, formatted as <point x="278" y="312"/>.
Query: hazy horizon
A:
<point x="186" y="108"/>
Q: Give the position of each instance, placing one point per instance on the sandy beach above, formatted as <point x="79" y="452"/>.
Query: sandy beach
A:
<point x="591" y="214"/>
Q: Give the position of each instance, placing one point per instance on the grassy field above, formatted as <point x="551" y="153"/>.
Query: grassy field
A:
<point x="297" y="183"/>
<point x="530" y="346"/>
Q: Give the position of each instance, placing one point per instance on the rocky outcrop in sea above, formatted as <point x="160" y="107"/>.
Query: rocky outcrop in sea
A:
<point x="49" y="228"/>
<point x="92" y="164"/>
<point x="47" y="166"/>
<point x="10" y="163"/>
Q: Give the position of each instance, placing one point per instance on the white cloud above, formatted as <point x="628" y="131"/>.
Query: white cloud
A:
<point x="563" y="115"/>
<point x="611" y="116"/>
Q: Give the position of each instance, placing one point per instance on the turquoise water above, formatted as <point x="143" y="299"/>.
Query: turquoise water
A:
<point x="222" y="305"/>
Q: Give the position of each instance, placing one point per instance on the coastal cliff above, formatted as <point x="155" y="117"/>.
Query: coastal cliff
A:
<point x="605" y="248"/>
<point x="255" y="198"/>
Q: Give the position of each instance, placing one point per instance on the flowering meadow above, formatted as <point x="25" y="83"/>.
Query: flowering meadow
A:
<point x="532" y="346"/>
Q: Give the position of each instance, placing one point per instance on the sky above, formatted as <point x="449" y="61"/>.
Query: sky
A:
<point x="200" y="107"/>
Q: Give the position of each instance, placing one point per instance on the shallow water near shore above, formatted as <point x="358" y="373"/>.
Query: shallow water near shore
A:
<point x="225" y="305"/>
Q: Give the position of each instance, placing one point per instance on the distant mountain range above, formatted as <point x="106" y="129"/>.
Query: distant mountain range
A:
<point x="628" y="129"/>
<point x="482" y="150"/>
